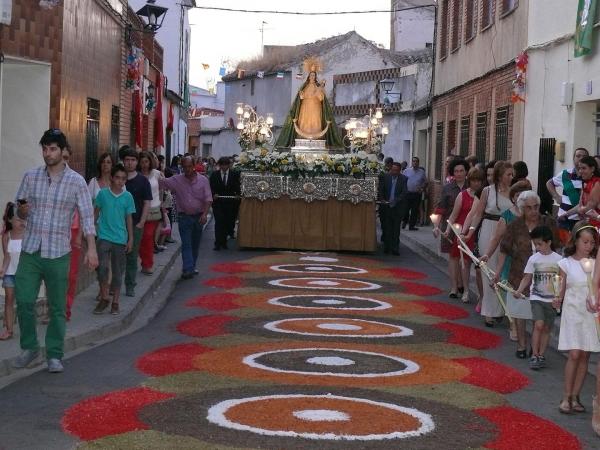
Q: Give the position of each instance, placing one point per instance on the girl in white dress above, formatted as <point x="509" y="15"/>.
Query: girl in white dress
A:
<point x="578" y="333"/>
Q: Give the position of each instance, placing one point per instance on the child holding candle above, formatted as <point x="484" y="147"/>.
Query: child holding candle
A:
<point x="540" y="268"/>
<point x="577" y="325"/>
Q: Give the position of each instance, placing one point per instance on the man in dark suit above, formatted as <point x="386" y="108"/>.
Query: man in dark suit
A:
<point x="224" y="183"/>
<point x="392" y="191"/>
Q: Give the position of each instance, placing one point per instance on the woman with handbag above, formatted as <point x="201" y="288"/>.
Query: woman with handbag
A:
<point x="147" y="168"/>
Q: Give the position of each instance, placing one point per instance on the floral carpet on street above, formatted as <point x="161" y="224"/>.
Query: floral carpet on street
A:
<point x="303" y="351"/>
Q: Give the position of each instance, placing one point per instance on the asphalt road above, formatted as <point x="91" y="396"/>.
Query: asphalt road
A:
<point x="32" y="408"/>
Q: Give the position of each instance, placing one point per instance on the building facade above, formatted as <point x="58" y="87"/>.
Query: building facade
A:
<point x="174" y="37"/>
<point x="412" y="25"/>
<point x="282" y="76"/>
<point x="472" y="112"/>
<point x="562" y="108"/>
<point x="355" y="94"/>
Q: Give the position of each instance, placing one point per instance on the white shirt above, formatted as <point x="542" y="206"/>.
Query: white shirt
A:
<point x="543" y="268"/>
<point x="14" y="251"/>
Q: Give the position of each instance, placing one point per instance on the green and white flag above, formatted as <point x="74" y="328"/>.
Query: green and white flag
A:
<point x="586" y="15"/>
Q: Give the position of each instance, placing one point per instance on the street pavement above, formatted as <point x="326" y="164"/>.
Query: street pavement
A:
<point x="35" y="409"/>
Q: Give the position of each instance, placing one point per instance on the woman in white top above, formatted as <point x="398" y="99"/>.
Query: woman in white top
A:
<point x="147" y="168"/>
<point x="103" y="167"/>
<point x="12" y="235"/>
<point x="493" y="202"/>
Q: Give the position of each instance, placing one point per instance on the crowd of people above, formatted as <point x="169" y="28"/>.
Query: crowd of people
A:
<point x="542" y="264"/>
<point x="124" y="216"/>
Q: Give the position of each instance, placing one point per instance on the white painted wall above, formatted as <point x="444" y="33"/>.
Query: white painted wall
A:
<point x="398" y="143"/>
<point x="25" y="107"/>
<point x="412" y="29"/>
<point x="549" y="67"/>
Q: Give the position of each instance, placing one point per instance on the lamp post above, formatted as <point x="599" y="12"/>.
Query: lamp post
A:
<point x="154" y="15"/>
<point x="368" y="133"/>
<point x="387" y="85"/>
<point x="252" y="127"/>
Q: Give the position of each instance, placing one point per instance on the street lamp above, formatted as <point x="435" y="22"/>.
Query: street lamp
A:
<point x="387" y="85"/>
<point x="153" y="15"/>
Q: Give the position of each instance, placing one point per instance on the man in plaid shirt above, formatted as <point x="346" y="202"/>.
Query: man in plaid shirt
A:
<point x="47" y="198"/>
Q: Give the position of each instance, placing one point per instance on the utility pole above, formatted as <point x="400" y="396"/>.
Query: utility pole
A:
<point x="262" y="37"/>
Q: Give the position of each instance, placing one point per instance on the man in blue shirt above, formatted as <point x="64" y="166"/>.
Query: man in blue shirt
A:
<point x="416" y="183"/>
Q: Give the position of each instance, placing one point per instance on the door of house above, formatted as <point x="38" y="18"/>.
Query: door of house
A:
<point x="92" y="137"/>
<point x="545" y="172"/>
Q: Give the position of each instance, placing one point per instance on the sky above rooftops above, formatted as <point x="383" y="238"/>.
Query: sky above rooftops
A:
<point x="219" y="36"/>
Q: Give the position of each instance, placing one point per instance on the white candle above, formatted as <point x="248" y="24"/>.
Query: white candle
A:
<point x="586" y="264"/>
<point x="457" y="227"/>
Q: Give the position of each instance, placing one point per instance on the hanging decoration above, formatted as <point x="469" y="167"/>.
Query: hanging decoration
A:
<point x="518" y="90"/>
<point x="134" y="60"/>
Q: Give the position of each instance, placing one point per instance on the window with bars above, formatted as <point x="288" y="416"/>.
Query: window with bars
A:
<point x="439" y="150"/>
<point x="481" y="137"/>
<point x="508" y="6"/>
<point x="115" y="119"/>
<point x="487" y="13"/>
<point x="92" y="137"/>
<point x="470" y="19"/>
<point x="455" y="39"/>
<point x="444" y="29"/>
<point x="465" y="135"/>
<point x="451" y="142"/>
<point x="501" y="133"/>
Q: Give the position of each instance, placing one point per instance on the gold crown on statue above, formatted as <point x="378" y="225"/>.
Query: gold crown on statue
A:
<point x="312" y="64"/>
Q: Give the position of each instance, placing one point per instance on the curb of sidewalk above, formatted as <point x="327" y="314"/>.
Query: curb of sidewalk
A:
<point x="99" y="333"/>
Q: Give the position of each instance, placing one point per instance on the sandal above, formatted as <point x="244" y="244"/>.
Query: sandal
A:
<point x="489" y="324"/>
<point x="465" y="297"/>
<point x="565" y="410"/>
<point x="6" y="335"/>
<point x="521" y="354"/>
<point x="453" y="295"/>
<point x="576" y="405"/>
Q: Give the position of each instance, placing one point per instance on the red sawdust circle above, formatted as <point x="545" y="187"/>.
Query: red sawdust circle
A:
<point x="169" y="360"/>
<point x="108" y="414"/>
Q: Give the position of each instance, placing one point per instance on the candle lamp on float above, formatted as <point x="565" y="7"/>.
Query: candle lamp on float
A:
<point x="367" y="134"/>
<point x="254" y="129"/>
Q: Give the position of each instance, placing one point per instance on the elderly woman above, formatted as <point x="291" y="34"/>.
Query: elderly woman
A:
<point x="517" y="243"/>
<point x="458" y="168"/>
<point x="505" y="219"/>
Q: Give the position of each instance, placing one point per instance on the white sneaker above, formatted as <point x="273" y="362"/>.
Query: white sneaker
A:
<point x="55" y="366"/>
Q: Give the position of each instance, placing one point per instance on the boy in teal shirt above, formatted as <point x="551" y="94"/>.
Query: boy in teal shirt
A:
<point x="114" y="207"/>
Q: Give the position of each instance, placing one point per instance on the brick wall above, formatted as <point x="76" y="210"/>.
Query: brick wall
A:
<point x="482" y="95"/>
<point x="36" y="34"/>
<point x="91" y="68"/>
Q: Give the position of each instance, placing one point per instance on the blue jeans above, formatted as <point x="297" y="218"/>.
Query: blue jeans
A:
<point x="190" y="232"/>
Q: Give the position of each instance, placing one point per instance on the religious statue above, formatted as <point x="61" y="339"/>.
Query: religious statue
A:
<point x="310" y="116"/>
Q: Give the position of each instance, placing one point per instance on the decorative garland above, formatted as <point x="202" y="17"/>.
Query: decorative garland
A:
<point x="518" y="90"/>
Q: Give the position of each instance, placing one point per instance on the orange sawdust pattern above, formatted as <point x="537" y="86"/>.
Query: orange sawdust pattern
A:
<point x="261" y="301"/>
<point x="333" y="283"/>
<point x="278" y="414"/>
<point x="229" y="362"/>
<point x="312" y="326"/>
